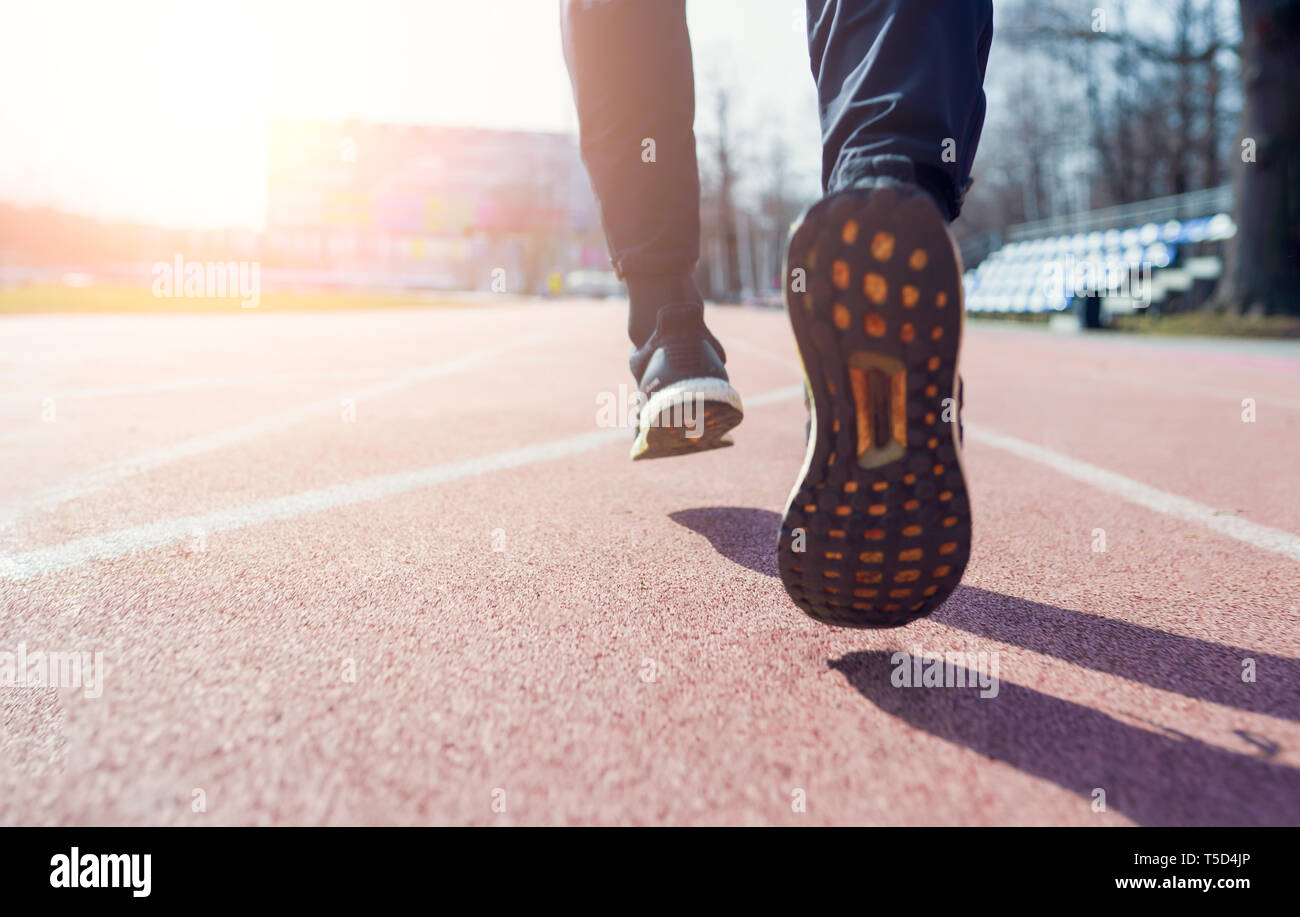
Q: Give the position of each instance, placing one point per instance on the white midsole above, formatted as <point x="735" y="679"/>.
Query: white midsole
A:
<point x="682" y="403"/>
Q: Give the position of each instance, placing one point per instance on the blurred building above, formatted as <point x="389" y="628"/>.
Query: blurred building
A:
<point x="363" y="206"/>
<point x="429" y="207"/>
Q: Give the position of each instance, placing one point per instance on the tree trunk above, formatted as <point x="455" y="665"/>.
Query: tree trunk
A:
<point x="1210" y="139"/>
<point x="1262" y="264"/>
<point x="1183" y="81"/>
<point x="731" y="278"/>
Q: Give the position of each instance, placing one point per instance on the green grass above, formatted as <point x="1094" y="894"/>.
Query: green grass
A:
<point x="1212" y="324"/>
<point x="1013" y="318"/>
<point x="118" y="299"/>
<point x="1187" y="324"/>
<point x="52" y="298"/>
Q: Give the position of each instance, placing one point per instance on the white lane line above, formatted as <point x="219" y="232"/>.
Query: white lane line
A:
<point x="19" y="567"/>
<point x="93" y="479"/>
<point x="185" y="385"/>
<point x="1267" y="538"/>
<point x="1278" y="541"/>
<point x="156" y="534"/>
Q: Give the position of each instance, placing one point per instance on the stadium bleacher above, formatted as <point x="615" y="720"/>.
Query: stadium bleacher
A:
<point x="1126" y="267"/>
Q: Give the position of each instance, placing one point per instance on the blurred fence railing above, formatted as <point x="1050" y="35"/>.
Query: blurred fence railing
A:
<point x="1157" y="210"/>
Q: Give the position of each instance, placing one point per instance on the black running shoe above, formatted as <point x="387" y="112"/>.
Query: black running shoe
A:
<point x="877" y="530"/>
<point x="688" y="403"/>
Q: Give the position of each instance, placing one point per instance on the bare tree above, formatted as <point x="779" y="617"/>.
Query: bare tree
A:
<point x="725" y="175"/>
<point x="1154" y="96"/>
<point x="1163" y="88"/>
<point x="1262" y="270"/>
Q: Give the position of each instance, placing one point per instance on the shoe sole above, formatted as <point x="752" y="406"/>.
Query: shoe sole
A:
<point x="877" y="529"/>
<point x="692" y="415"/>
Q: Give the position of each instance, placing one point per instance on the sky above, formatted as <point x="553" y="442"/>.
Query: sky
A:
<point x="157" y="110"/>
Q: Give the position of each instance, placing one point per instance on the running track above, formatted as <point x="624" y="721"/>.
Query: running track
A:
<point x="384" y="567"/>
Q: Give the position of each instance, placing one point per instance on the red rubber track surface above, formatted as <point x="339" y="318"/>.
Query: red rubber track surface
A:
<point x="628" y="655"/>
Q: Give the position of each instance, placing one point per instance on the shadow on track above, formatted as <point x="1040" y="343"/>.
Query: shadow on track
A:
<point x="1153" y="778"/>
<point x="1153" y="657"/>
<point x="739" y="533"/>
<point x="1156" y="779"/>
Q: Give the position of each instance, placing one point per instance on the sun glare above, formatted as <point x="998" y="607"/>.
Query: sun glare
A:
<point x="161" y="111"/>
